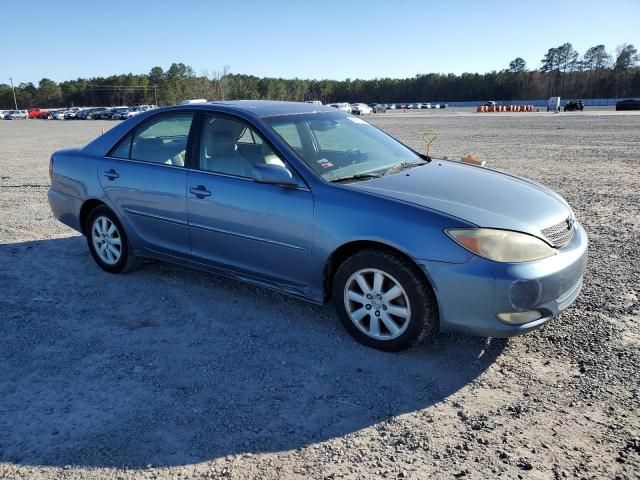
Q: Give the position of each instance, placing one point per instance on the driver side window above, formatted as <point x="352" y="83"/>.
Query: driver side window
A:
<point x="163" y="140"/>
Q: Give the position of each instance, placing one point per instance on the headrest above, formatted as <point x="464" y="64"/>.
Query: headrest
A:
<point x="220" y="144"/>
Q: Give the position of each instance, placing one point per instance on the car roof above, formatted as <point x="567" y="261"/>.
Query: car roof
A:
<point x="260" y="108"/>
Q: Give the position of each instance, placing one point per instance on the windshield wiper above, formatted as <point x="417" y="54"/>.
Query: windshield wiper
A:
<point x="360" y="176"/>
<point x="402" y="166"/>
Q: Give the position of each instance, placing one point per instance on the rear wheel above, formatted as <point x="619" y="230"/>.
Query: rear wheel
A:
<point x="108" y="242"/>
<point x="383" y="301"/>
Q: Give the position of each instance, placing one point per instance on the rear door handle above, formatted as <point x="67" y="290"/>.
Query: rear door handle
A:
<point x="111" y="174"/>
<point x="200" y="191"/>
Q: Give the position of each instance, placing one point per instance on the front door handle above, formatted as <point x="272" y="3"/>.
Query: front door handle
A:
<point x="200" y="191"/>
<point x="111" y="174"/>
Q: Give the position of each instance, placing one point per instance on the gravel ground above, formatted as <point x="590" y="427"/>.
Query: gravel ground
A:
<point x="171" y="373"/>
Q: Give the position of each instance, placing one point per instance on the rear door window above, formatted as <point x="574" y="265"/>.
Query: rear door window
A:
<point x="162" y="140"/>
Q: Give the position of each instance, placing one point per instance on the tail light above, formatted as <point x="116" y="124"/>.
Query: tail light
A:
<point x="50" y="168"/>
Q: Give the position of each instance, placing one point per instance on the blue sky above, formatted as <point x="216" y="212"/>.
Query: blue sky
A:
<point x="305" y="39"/>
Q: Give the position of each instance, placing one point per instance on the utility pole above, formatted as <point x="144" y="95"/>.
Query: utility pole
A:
<point x="155" y="92"/>
<point x="15" y="102"/>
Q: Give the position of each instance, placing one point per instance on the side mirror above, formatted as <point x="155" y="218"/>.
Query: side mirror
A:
<point x="273" y="174"/>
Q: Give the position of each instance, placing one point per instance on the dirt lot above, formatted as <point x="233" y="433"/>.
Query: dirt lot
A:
<point x="171" y="373"/>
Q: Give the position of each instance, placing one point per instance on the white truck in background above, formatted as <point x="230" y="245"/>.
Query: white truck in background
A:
<point x="554" y="104"/>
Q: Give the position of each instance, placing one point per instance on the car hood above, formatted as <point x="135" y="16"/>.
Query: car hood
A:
<point x="478" y="195"/>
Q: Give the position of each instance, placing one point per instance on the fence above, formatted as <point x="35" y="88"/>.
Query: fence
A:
<point x="591" y="102"/>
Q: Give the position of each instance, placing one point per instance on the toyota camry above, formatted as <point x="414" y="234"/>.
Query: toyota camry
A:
<point x="317" y="203"/>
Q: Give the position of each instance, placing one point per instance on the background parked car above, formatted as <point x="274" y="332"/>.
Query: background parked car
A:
<point x="48" y="115"/>
<point x="59" y="114"/>
<point x="344" y="106"/>
<point x="35" y="112"/>
<point x="361" y="109"/>
<point x="120" y="113"/>
<point x="16" y="115"/>
<point x="88" y="113"/>
<point x="125" y="113"/>
<point x="96" y="113"/>
<point x="629" y="104"/>
<point x="70" y="113"/>
<point x="573" y="105"/>
<point x="113" y="113"/>
<point x="378" y="107"/>
<point x="103" y="115"/>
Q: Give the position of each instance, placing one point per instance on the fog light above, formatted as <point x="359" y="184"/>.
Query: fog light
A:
<point x="525" y="293"/>
<point x="518" y="318"/>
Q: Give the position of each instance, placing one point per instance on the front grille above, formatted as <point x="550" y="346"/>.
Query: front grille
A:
<point x="559" y="235"/>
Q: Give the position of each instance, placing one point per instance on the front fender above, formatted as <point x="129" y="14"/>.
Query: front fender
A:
<point x="343" y="215"/>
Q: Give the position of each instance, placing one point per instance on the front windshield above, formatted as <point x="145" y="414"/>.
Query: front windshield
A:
<point x="337" y="145"/>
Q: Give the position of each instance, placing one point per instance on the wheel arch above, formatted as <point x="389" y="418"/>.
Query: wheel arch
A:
<point x="86" y="209"/>
<point x="346" y="250"/>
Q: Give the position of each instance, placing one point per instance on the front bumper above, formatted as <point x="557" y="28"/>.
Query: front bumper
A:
<point x="471" y="294"/>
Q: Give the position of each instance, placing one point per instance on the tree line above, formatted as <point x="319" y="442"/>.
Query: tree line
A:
<point x="562" y="72"/>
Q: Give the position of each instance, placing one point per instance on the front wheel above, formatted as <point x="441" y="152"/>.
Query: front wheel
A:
<point x="384" y="301"/>
<point x="108" y="242"/>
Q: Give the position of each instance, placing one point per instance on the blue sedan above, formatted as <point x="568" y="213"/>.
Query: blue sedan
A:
<point x="317" y="203"/>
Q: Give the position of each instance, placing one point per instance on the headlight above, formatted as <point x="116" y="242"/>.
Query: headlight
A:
<point x="501" y="245"/>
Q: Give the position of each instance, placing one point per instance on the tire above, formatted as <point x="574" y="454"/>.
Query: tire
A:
<point x="104" y="227"/>
<point x="414" y="307"/>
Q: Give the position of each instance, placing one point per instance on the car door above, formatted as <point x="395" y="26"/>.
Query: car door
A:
<point x="145" y="179"/>
<point x="261" y="230"/>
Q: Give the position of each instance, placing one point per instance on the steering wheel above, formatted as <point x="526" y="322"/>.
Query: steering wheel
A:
<point x="353" y="152"/>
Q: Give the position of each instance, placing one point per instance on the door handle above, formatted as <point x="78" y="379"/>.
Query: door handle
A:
<point x="200" y="191"/>
<point x="111" y="174"/>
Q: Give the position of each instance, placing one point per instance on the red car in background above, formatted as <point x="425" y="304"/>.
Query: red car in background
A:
<point x="35" y="112"/>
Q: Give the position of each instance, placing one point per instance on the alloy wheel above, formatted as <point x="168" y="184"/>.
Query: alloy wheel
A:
<point x="106" y="240"/>
<point x="377" y="304"/>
